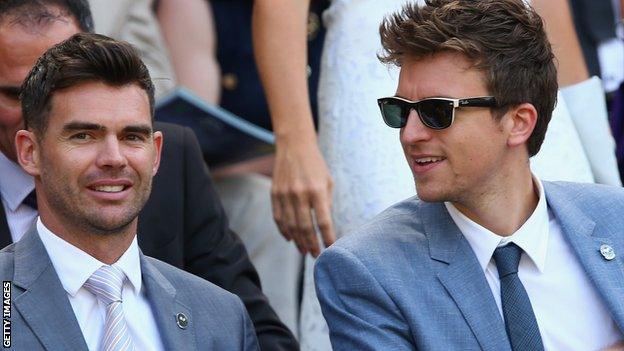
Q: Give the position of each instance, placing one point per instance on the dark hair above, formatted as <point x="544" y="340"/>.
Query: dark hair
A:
<point x="84" y="57"/>
<point x="28" y="12"/>
<point x="503" y="38"/>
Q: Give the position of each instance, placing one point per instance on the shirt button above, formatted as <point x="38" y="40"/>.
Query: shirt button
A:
<point x="229" y="81"/>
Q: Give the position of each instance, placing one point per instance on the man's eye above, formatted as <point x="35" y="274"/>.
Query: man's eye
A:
<point x="135" y="137"/>
<point x="11" y="94"/>
<point x="80" y="136"/>
<point x="14" y="95"/>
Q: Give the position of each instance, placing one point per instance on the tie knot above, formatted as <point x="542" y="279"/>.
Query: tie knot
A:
<point x="106" y="284"/>
<point x="507" y="259"/>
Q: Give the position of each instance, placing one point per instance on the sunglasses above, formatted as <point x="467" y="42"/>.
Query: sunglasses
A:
<point x="435" y="113"/>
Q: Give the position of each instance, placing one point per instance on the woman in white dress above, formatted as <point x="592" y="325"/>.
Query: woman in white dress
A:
<point x="362" y="155"/>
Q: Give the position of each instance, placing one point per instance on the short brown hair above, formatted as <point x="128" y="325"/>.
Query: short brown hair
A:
<point x="503" y="38"/>
<point x="82" y="58"/>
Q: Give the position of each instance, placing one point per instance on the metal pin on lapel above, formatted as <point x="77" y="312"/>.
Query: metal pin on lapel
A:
<point x="181" y="320"/>
<point x="607" y="252"/>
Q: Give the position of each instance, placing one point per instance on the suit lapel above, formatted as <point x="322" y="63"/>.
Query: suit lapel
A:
<point x="585" y="238"/>
<point x="166" y="306"/>
<point x="463" y="278"/>
<point x="42" y="301"/>
<point x="5" y="233"/>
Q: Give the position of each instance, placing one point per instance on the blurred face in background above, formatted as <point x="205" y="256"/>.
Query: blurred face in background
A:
<point x="20" y="47"/>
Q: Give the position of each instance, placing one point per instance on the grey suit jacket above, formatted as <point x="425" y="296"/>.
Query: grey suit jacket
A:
<point x="42" y="318"/>
<point x="409" y="279"/>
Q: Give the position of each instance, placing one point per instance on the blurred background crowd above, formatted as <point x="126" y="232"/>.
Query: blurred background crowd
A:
<point x="308" y="71"/>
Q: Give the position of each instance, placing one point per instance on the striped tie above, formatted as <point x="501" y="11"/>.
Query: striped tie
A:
<point x="106" y="284"/>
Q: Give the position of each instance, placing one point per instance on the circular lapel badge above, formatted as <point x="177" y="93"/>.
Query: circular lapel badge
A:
<point x="181" y="320"/>
<point x="607" y="252"/>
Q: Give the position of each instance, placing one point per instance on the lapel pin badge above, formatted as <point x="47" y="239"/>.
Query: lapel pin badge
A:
<point x="181" y="320"/>
<point x="607" y="252"/>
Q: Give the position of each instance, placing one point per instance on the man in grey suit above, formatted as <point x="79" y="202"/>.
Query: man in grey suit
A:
<point x="77" y="280"/>
<point x="490" y="257"/>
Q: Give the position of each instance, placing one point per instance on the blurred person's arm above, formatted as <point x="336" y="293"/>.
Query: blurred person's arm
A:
<point x="301" y="180"/>
<point x="189" y="31"/>
<point x="584" y="97"/>
<point x="559" y="25"/>
<point x="134" y="21"/>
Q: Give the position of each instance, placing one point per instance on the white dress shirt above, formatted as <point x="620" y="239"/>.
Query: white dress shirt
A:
<point x="15" y="185"/>
<point x="569" y="312"/>
<point x="74" y="266"/>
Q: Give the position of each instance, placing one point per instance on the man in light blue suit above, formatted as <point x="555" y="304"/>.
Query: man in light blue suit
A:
<point x="490" y="257"/>
<point x="77" y="279"/>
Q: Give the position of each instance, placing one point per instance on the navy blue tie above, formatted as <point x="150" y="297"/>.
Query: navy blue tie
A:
<point x="31" y="200"/>
<point x="520" y="322"/>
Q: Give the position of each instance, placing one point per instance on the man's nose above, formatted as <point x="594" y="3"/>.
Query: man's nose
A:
<point x="414" y="130"/>
<point x="111" y="154"/>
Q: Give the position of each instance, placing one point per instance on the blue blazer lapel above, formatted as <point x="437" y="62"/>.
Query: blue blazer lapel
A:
<point x="585" y="238"/>
<point x="162" y="296"/>
<point x="463" y="278"/>
<point x="40" y="298"/>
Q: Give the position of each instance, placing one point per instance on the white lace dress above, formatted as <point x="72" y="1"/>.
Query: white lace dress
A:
<point x="364" y="155"/>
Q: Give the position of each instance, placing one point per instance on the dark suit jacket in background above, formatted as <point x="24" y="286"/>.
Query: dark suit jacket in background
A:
<point x="183" y="224"/>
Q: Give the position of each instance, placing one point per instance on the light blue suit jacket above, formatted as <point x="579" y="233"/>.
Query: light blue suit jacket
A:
<point x="409" y="280"/>
<point x="42" y="317"/>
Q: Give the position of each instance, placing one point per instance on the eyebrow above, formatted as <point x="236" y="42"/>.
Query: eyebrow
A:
<point x="139" y="128"/>
<point x="73" y="126"/>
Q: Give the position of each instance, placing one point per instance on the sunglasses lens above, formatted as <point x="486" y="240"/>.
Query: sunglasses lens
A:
<point x="436" y="114"/>
<point x="393" y="113"/>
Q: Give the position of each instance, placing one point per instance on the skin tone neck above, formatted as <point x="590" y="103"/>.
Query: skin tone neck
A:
<point x="506" y="205"/>
<point x="105" y="247"/>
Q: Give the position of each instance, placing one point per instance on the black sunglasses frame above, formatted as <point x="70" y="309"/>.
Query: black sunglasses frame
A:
<point x="408" y="105"/>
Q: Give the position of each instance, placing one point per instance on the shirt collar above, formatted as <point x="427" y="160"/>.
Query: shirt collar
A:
<point x="15" y="183"/>
<point x="532" y="236"/>
<point x="73" y="276"/>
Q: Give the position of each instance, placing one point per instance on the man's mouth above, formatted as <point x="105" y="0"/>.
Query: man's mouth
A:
<point x="109" y="188"/>
<point x="423" y="161"/>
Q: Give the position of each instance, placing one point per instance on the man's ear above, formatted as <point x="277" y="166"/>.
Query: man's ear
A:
<point x="521" y="120"/>
<point x="27" y="149"/>
<point x="158" y="142"/>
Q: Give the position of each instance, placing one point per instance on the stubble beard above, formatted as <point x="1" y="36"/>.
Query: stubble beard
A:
<point x="70" y="206"/>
